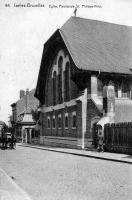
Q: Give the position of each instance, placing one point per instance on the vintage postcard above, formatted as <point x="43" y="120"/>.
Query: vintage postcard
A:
<point x="66" y="99"/>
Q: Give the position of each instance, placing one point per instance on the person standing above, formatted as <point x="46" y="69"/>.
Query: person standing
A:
<point x="100" y="143"/>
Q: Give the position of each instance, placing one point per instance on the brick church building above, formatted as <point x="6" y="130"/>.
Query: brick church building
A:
<point x="85" y="80"/>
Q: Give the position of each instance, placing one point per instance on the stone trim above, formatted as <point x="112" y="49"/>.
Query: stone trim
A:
<point x="58" y="106"/>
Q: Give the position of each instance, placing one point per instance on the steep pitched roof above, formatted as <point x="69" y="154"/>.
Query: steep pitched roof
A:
<point x="96" y="45"/>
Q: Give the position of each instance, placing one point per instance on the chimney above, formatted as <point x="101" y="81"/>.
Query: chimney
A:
<point x="22" y="93"/>
<point x="27" y="91"/>
<point x="27" y="98"/>
<point x="109" y="100"/>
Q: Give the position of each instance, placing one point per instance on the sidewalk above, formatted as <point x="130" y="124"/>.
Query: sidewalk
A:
<point x="123" y="158"/>
<point x="9" y="190"/>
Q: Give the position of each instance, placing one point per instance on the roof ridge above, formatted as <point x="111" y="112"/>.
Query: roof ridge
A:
<point x="65" y="22"/>
<point x="100" y="21"/>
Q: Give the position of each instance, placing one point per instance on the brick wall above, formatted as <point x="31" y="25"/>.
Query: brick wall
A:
<point x="49" y="89"/>
<point x="63" y="131"/>
<point x="69" y="132"/>
<point x="79" y="119"/>
<point x="74" y="90"/>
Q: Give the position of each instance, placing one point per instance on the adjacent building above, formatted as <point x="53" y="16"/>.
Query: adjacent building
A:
<point x="85" y="80"/>
<point x="22" y="119"/>
<point x="2" y="124"/>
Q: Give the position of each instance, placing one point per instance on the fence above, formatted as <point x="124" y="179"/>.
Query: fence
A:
<point x="118" y="137"/>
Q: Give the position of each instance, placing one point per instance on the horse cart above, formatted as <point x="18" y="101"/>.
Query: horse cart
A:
<point x="7" y="140"/>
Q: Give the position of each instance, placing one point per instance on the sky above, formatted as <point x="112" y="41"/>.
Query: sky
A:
<point x="24" y="30"/>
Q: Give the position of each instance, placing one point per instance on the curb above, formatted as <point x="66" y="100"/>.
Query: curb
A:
<point x="25" y="196"/>
<point x="77" y="154"/>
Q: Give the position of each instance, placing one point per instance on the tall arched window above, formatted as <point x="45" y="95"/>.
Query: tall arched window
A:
<point x="100" y="88"/>
<point x="66" y="120"/>
<point x="67" y="82"/>
<point x="116" y="84"/>
<point x="125" y="89"/>
<point x="60" y="62"/>
<point x="54" y="87"/>
<point x="74" y="120"/>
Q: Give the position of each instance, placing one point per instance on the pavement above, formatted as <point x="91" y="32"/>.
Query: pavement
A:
<point x="9" y="190"/>
<point x="115" y="157"/>
<point x="49" y="175"/>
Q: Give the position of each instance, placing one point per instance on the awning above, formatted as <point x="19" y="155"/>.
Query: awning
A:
<point x="103" y="121"/>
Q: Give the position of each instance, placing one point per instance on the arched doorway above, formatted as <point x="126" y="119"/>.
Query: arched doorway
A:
<point x="95" y="135"/>
<point x="94" y="129"/>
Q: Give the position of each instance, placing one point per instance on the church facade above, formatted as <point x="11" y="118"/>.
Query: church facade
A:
<point x="80" y="64"/>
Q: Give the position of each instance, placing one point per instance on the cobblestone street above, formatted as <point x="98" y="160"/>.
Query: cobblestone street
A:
<point x="48" y="175"/>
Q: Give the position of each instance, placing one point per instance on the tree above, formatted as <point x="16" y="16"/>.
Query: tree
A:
<point x="35" y="115"/>
<point x="4" y="129"/>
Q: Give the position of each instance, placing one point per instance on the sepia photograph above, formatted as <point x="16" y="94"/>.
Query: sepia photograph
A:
<point x="66" y="100"/>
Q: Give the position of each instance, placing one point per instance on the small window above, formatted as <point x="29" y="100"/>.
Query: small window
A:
<point x="48" y="122"/>
<point x="53" y="121"/>
<point x="74" y="120"/>
<point x="66" y="120"/>
<point x="59" y="121"/>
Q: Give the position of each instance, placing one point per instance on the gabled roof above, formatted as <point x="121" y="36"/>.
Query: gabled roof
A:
<point x="96" y="45"/>
<point x="93" y="46"/>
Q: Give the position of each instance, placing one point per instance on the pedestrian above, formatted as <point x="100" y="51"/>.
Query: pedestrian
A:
<point x="13" y="142"/>
<point x="100" y="143"/>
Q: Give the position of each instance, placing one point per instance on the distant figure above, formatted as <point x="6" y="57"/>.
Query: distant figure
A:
<point x="75" y="12"/>
<point x="100" y="141"/>
<point x="13" y="142"/>
<point x="4" y="141"/>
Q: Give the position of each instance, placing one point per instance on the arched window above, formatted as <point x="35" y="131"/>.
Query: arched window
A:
<point x="111" y="83"/>
<point x="60" y="62"/>
<point x="59" y="121"/>
<point x="53" y="121"/>
<point x="74" y="120"/>
<point x="125" y="89"/>
<point x="116" y="88"/>
<point x="54" y="88"/>
<point x="66" y="120"/>
<point x="100" y="88"/>
<point x="48" y="122"/>
<point x="67" y="82"/>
